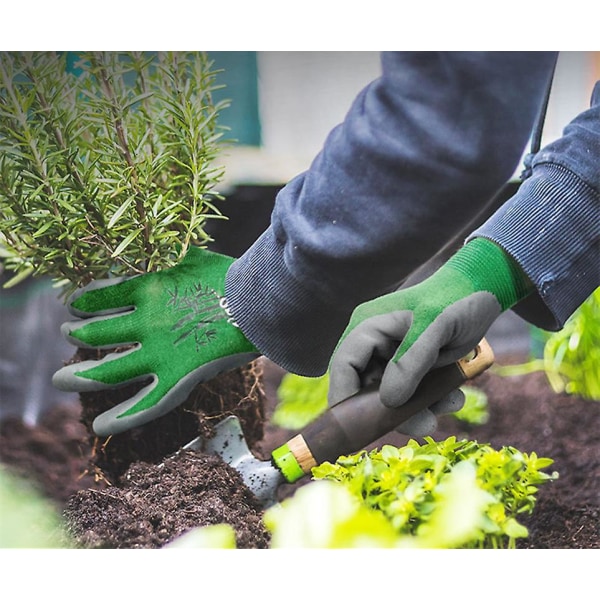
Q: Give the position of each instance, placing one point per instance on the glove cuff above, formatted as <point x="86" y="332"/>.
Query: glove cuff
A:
<point x="489" y="268"/>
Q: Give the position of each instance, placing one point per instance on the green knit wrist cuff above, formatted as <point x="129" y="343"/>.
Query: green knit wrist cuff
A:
<point x="491" y="269"/>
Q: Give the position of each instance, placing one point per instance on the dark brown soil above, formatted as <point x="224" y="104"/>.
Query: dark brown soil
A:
<point x="525" y="413"/>
<point x="238" y="392"/>
<point x="137" y="489"/>
<point x="155" y="504"/>
<point x="150" y="505"/>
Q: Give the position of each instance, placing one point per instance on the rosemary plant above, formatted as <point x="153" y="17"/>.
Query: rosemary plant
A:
<point x="107" y="168"/>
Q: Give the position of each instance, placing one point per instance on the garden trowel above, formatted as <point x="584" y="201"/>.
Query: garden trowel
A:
<point x="342" y="429"/>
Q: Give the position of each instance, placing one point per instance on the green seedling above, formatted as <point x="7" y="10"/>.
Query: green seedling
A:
<point x="300" y="400"/>
<point x="446" y="494"/>
<point x="475" y="409"/>
<point x="209" y="537"/>
<point x="407" y="484"/>
<point x="570" y="356"/>
<point x="29" y="519"/>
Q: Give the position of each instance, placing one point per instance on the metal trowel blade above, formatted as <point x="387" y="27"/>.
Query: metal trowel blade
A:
<point x="261" y="476"/>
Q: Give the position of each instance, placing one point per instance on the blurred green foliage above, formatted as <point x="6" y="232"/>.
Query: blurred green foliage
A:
<point x="571" y="356"/>
<point x="475" y="409"/>
<point x="27" y="519"/>
<point x="300" y="400"/>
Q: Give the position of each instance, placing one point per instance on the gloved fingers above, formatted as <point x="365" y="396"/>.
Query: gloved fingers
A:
<point x="104" y="332"/>
<point x="113" y="370"/>
<point x="363" y="352"/>
<point x="470" y="317"/>
<point x="419" y="425"/>
<point x="425" y="422"/>
<point x="162" y="395"/>
<point x="130" y="413"/>
<point x="149" y="403"/>
<point x="452" y="403"/>
<point x="103" y="297"/>
<point x="401" y="377"/>
<point x="451" y="336"/>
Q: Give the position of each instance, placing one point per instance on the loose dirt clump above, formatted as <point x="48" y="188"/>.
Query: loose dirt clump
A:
<point x="154" y="504"/>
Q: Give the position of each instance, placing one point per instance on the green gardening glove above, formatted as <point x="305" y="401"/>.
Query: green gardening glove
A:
<point x="179" y="325"/>
<point x="397" y="338"/>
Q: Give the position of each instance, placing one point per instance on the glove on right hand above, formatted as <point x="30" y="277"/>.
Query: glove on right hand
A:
<point x="399" y="337"/>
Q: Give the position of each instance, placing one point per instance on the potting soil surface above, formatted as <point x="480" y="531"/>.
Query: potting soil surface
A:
<point x="153" y="504"/>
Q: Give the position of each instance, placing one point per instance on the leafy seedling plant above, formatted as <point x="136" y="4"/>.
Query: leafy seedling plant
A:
<point x="453" y="493"/>
<point x="34" y="520"/>
<point x="449" y="494"/>
<point x="571" y="356"/>
<point x="475" y="409"/>
<point x="407" y="484"/>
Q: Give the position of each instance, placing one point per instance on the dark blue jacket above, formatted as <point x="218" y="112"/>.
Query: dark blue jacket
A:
<point x="420" y="151"/>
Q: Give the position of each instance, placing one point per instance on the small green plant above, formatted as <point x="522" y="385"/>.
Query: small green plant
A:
<point x="106" y="166"/>
<point x="323" y="514"/>
<point x="475" y="409"/>
<point x="571" y="356"/>
<point x="29" y="519"/>
<point x="406" y="484"/>
<point x="446" y="495"/>
<point x="215" y="537"/>
<point x="300" y="400"/>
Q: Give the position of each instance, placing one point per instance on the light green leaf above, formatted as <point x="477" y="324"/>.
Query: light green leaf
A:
<point x="324" y="514"/>
<point x="214" y="537"/>
<point x="20" y="276"/>
<point x="125" y="243"/>
<point x="120" y="211"/>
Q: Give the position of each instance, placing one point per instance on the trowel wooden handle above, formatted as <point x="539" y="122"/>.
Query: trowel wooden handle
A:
<point x="361" y="419"/>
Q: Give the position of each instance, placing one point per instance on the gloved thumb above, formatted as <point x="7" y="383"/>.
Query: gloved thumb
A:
<point x="450" y="336"/>
<point x="361" y="357"/>
<point x="425" y="422"/>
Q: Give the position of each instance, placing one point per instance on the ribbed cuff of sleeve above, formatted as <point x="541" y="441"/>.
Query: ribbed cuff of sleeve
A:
<point x="551" y="228"/>
<point x="284" y="318"/>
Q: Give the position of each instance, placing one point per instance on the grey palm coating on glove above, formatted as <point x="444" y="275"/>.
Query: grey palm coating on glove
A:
<point x="367" y="352"/>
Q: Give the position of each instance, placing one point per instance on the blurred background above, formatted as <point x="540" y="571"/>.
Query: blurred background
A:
<point x="285" y="103"/>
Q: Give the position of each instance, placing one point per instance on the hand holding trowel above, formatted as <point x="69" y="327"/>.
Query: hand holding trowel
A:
<point x="344" y="428"/>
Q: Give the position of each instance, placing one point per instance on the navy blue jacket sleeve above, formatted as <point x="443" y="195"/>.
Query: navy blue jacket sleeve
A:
<point x="552" y="224"/>
<point x="419" y="152"/>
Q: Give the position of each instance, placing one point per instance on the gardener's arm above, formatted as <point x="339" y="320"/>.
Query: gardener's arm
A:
<point x="552" y="227"/>
<point x="419" y="152"/>
<point x="539" y="254"/>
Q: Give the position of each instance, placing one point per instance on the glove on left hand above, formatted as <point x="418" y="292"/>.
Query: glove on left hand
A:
<point x="178" y="322"/>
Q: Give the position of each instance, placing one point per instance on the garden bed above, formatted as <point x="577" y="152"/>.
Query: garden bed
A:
<point x="152" y="504"/>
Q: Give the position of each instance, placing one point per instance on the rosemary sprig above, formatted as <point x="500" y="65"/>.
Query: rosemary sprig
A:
<point x="110" y="171"/>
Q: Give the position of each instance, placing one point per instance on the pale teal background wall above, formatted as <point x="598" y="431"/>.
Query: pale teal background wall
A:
<point x="240" y="80"/>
